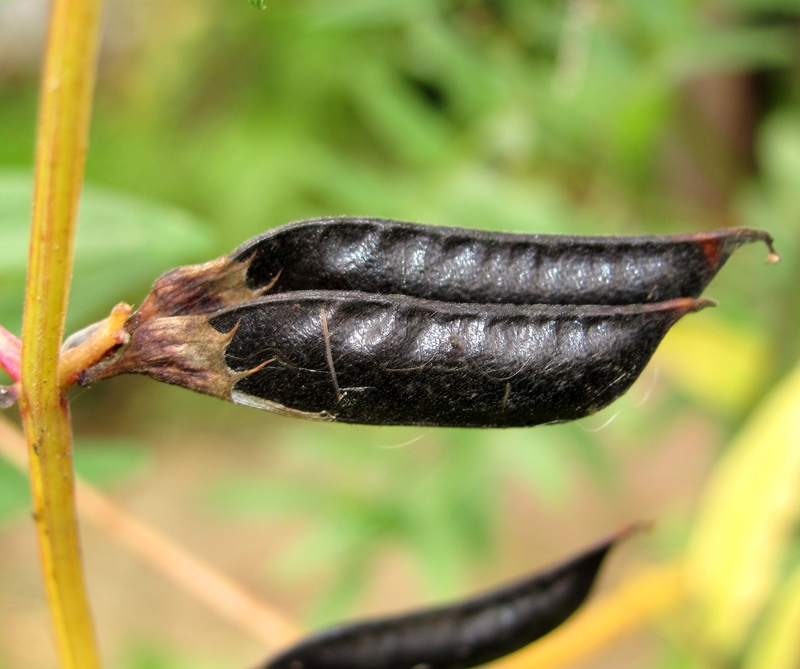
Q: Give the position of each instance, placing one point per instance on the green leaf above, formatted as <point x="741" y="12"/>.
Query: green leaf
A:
<point x="348" y="586"/>
<point x="123" y="244"/>
<point x="540" y="459"/>
<point x="732" y="49"/>
<point x="244" y="497"/>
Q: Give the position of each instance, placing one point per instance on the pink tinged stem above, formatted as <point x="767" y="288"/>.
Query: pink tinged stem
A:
<point x="10" y="348"/>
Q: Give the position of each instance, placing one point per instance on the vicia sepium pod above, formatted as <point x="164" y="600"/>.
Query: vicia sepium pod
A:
<point x="388" y="257"/>
<point x="462" y="635"/>
<point x="394" y="360"/>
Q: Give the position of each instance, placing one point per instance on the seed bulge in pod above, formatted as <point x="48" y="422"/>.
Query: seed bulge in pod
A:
<point x="459" y="265"/>
<point x="394" y="360"/>
<point x="388" y="257"/>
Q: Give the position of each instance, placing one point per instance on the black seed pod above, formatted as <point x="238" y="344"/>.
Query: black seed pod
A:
<point x="452" y="265"/>
<point x="394" y="360"/>
<point x="463" y="635"/>
<point x="458" y="265"/>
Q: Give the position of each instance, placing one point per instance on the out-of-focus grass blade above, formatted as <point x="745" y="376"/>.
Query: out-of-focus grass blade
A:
<point x="152" y="656"/>
<point x="733" y="48"/>
<point x="744" y="522"/>
<point x="777" y="646"/>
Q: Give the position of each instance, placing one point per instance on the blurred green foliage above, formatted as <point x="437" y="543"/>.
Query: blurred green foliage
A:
<point x="103" y="462"/>
<point x="627" y="116"/>
<point x="108" y="462"/>
<point x="436" y="494"/>
<point x="123" y="243"/>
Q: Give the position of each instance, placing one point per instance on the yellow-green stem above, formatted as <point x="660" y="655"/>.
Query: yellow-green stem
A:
<point x="65" y="109"/>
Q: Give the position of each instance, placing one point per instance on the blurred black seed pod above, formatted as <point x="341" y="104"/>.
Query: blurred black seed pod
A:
<point x="462" y="635"/>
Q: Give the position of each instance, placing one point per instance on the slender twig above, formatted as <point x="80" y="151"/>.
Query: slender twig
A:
<point x="220" y="593"/>
<point x="609" y="618"/>
<point x="65" y="109"/>
<point x="105" y="336"/>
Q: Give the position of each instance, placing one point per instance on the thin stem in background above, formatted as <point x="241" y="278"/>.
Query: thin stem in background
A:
<point x="218" y="592"/>
<point x="65" y="110"/>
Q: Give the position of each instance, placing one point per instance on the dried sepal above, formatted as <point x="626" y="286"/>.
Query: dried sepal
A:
<point x="180" y="350"/>
<point x="197" y="289"/>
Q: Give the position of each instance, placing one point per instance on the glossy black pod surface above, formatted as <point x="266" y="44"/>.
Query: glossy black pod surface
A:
<point x="459" y="265"/>
<point x="389" y="257"/>
<point x="395" y="360"/>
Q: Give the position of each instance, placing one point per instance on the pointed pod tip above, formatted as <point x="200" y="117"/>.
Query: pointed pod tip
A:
<point x="690" y="305"/>
<point x="762" y="235"/>
<point x="720" y="244"/>
<point x="701" y="303"/>
<point x="603" y="547"/>
<point x="632" y="528"/>
<point x="747" y="235"/>
<point x="681" y="306"/>
<point x="623" y="534"/>
<point x="773" y="256"/>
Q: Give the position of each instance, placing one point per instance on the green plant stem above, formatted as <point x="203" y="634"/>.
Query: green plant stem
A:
<point x="65" y="109"/>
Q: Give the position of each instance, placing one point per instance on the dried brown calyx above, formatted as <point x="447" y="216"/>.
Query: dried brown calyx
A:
<point x="197" y="289"/>
<point x="181" y="350"/>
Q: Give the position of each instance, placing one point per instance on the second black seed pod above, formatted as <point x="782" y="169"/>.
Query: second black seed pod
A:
<point x="467" y="634"/>
<point x="387" y="257"/>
